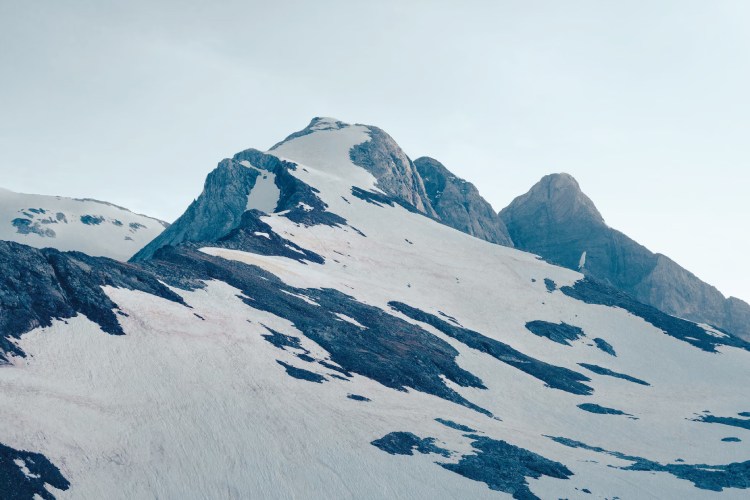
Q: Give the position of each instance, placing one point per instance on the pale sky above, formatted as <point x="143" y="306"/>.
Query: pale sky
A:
<point x="644" y="102"/>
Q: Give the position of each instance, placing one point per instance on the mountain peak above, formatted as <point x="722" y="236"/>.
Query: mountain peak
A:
<point x="555" y="198"/>
<point x="557" y="221"/>
<point x="562" y="180"/>
<point x="317" y="124"/>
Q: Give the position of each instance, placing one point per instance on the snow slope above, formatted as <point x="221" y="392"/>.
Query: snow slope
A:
<point x="90" y="226"/>
<point x="377" y="355"/>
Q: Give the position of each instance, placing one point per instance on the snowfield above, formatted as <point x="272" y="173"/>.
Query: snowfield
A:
<point x="222" y="399"/>
<point x="93" y="227"/>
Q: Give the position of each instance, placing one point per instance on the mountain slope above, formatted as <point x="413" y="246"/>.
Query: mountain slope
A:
<point x="348" y="346"/>
<point x="94" y="227"/>
<point x="458" y="203"/>
<point x="558" y="222"/>
<point x="424" y="186"/>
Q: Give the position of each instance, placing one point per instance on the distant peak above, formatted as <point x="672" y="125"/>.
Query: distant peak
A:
<point x="560" y="180"/>
<point x="561" y="197"/>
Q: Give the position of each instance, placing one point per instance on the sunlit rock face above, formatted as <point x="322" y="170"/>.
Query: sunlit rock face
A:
<point x="459" y="205"/>
<point x="557" y="221"/>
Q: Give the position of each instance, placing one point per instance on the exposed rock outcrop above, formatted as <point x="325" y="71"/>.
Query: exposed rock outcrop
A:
<point x="214" y="213"/>
<point x="396" y="174"/>
<point x="459" y="204"/>
<point x="557" y="221"/>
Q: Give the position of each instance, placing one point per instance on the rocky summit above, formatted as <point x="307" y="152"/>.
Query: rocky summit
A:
<point x="557" y="221"/>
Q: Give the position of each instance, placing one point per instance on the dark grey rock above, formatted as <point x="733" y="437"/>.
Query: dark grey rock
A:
<point x="381" y="200"/>
<point x="254" y="235"/>
<point x="556" y="377"/>
<point x="742" y="423"/>
<point x="220" y="208"/>
<point x="27" y="226"/>
<point x="37" y="286"/>
<point x="592" y="291"/>
<point x="558" y="222"/>
<point x="357" y="397"/>
<point x="282" y="341"/>
<point x="601" y="410"/>
<point x="15" y="484"/>
<point x="92" y="220"/>
<point x="459" y="204"/>
<point x="600" y="370"/>
<point x="395" y="173"/>
<point x="405" y="443"/>
<point x="214" y="213"/>
<point x="301" y="201"/>
<point x="562" y="333"/>
<point x="605" y="346"/>
<point x="396" y="353"/>
<point x="454" y="425"/>
<point x="703" y="476"/>
<point x="504" y="467"/>
<point x="301" y="373"/>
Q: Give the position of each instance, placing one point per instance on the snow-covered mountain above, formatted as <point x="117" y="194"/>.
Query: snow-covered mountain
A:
<point x="556" y="220"/>
<point x="94" y="227"/>
<point x="307" y="330"/>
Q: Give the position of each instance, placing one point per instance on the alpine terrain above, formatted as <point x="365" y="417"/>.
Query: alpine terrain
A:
<point x="556" y="220"/>
<point x="95" y="227"/>
<point x="330" y="319"/>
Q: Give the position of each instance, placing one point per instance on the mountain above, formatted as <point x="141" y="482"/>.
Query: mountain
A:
<point x="94" y="227"/>
<point x="424" y="186"/>
<point x="346" y="344"/>
<point x="557" y="221"/>
<point x="458" y="203"/>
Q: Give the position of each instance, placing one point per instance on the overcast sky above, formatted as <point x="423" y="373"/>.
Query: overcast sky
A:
<point x="644" y="102"/>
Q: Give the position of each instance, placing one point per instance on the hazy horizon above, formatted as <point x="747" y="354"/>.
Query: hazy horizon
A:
<point x="644" y="104"/>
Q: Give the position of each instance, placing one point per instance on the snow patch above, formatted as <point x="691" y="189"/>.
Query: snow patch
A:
<point x="264" y="196"/>
<point x="348" y="319"/>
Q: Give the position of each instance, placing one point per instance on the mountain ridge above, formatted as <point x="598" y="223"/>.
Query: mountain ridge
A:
<point x="557" y="221"/>
<point x="92" y="226"/>
<point x="344" y="344"/>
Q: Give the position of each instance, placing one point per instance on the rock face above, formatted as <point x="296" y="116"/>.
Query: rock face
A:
<point x="396" y="173"/>
<point x="39" y="286"/>
<point x="425" y="186"/>
<point x="226" y="197"/>
<point x="459" y="204"/>
<point x="214" y="213"/>
<point x="556" y="220"/>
